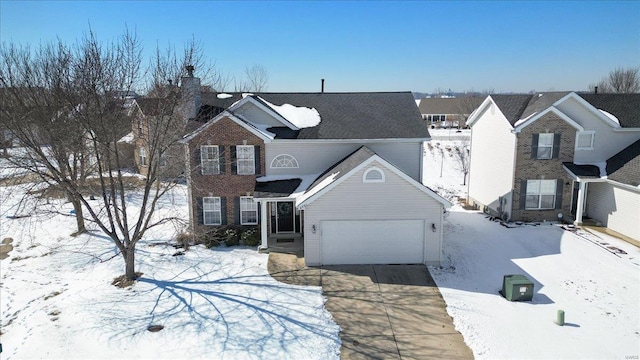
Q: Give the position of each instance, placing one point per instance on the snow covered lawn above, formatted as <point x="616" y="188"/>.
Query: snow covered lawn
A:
<point x="598" y="290"/>
<point x="57" y="300"/>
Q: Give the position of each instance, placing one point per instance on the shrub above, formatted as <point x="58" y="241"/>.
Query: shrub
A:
<point x="210" y="238"/>
<point x="184" y="239"/>
<point x="231" y="235"/>
<point x="250" y="236"/>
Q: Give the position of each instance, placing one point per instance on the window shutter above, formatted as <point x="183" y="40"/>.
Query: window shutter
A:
<point x="221" y="158"/>
<point x="234" y="163"/>
<point x="559" y="194"/>
<point x="556" y="146"/>
<point x="236" y="209"/>
<point x="523" y="194"/>
<point x="197" y="157"/>
<point x="223" y="211"/>
<point x="199" y="211"/>
<point x="534" y="146"/>
<point x="259" y="212"/>
<point x="256" y="156"/>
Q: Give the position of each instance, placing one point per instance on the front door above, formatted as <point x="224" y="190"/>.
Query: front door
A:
<point x="285" y="217"/>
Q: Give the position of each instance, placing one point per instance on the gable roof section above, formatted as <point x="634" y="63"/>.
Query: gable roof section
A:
<point x="362" y="115"/>
<point x="512" y="106"/>
<point x="262" y="134"/>
<point x="519" y="125"/>
<point x="625" y="107"/>
<point x="350" y="165"/>
<point x="624" y="167"/>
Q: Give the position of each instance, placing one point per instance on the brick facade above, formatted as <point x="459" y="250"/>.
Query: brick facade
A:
<point x="227" y="185"/>
<point x="528" y="168"/>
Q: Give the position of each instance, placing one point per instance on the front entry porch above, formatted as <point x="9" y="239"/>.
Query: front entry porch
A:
<point x="281" y="226"/>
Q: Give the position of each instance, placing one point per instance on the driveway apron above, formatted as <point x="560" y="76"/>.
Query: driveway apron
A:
<point x="385" y="311"/>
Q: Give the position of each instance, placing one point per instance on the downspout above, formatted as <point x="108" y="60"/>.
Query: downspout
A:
<point x="192" y="226"/>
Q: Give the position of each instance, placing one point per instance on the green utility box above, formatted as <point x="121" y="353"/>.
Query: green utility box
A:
<point x="517" y="288"/>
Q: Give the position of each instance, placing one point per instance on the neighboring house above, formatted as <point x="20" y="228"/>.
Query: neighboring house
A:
<point x="340" y="170"/>
<point x="558" y="155"/>
<point x="160" y="123"/>
<point x="448" y="112"/>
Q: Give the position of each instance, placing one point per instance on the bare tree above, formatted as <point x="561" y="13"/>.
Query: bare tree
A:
<point x="69" y="107"/>
<point x="619" y="80"/>
<point x="461" y="154"/>
<point x="256" y="79"/>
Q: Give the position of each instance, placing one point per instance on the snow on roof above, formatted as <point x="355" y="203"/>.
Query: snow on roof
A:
<point x="224" y="96"/>
<point x="324" y="183"/>
<point x="517" y="123"/>
<point x="244" y="95"/>
<point x="610" y="116"/>
<point x="301" y="117"/>
<point x="127" y="138"/>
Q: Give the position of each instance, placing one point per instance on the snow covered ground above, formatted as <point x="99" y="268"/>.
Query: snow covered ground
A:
<point x="598" y="287"/>
<point x="57" y="300"/>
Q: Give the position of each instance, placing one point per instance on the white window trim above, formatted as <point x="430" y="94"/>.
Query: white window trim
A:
<point x="539" y="194"/>
<point x="441" y="118"/>
<point x="219" y="210"/>
<point x="243" y="210"/>
<point x="371" y="169"/>
<point x="593" y="136"/>
<point x="142" y="156"/>
<point x="275" y="161"/>
<point x="216" y="161"/>
<point x="253" y="160"/>
<point x="545" y="146"/>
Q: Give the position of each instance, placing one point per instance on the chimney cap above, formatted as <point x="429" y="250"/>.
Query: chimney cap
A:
<point x="190" y="69"/>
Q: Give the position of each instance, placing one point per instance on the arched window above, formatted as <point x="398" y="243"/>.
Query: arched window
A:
<point x="284" y="161"/>
<point x="373" y="175"/>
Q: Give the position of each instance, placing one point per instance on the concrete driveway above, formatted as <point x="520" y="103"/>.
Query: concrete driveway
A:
<point x="385" y="311"/>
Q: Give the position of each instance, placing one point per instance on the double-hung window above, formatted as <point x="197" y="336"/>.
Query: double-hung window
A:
<point x="162" y="159"/>
<point x="246" y="160"/>
<point x="210" y="159"/>
<point x="248" y="211"/>
<point x="211" y="211"/>
<point x="540" y="194"/>
<point x="142" y="156"/>
<point x="545" y="146"/>
<point x="584" y="140"/>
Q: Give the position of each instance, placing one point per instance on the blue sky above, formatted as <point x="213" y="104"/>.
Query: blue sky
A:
<point x="366" y="46"/>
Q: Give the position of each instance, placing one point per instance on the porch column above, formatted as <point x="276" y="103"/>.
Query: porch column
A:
<point x="580" y="205"/>
<point x="263" y="224"/>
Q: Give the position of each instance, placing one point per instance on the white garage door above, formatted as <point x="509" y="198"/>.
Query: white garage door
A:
<point x="372" y="242"/>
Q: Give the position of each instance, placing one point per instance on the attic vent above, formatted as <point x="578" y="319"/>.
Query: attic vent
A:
<point x="373" y="175"/>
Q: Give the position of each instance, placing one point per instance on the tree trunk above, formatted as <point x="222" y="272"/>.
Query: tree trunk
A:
<point x="129" y="263"/>
<point x="77" y="207"/>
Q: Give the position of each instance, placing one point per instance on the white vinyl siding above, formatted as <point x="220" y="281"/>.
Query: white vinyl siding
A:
<point x="245" y="157"/>
<point x="541" y="194"/>
<point x="615" y="207"/>
<point x="492" y="161"/>
<point x="211" y="211"/>
<point x="607" y="142"/>
<point x="545" y="146"/>
<point x="209" y="160"/>
<point x="406" y="156"/>
<point x="395" y="199"/>
<point x="248" y="211"/>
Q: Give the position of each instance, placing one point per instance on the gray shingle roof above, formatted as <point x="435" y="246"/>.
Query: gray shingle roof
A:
<point x="345" y="165"/>
<point x="375" y="115"/>
<point x="583" y="171"/>
<point x="624" y="166"/>
<point x="512" y="106"/>
<point x="445" y="106"/>
<point x="626" y="107"/>
<point x="276" y="188"/>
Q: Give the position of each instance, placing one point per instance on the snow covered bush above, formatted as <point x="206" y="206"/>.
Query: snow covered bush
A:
<point x="250" y="236"/>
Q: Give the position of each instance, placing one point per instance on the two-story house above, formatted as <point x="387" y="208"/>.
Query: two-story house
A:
<point x="340" y="170"/>
<point x="560" y="155"/>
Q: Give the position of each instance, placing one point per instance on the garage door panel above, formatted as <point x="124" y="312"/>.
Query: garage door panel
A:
<point x="372" y="242"/>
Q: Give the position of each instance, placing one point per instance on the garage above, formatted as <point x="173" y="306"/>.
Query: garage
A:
<point x="372" y="242"/>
